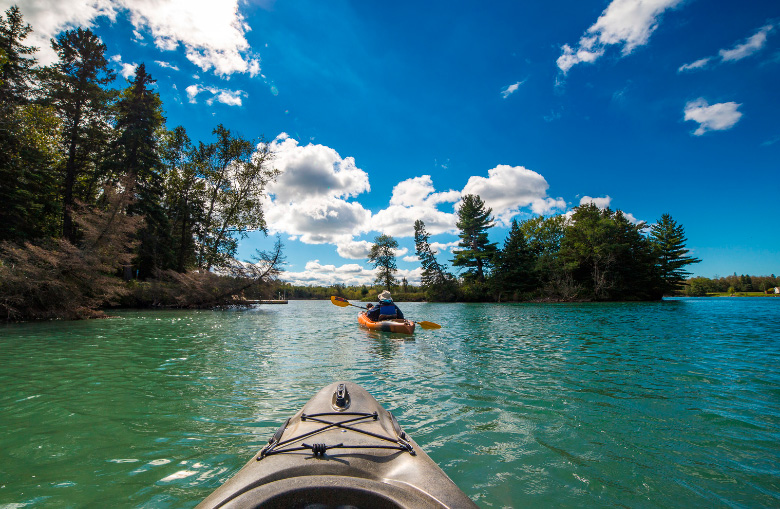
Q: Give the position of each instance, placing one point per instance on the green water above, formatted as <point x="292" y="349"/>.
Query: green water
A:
<point x="669" y="404"/>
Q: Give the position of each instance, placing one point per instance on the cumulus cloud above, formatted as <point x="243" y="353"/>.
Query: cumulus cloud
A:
<point x="507" y="189"/>
<point x="212" y="34"/>
<point x="354" y="249"/>
<point x="310" y="199"/>
<point x="225" y="96"/>
<point x="715" y="117"/>
<point x="626" y="23"/>
<point x="414" y="199"/>
<point x="752" y="45"/>
<point x="601" y="203"/>
<point x="511" y="89"/>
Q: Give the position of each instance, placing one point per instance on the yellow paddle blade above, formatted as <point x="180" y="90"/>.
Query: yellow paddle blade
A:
<point x="429" y="325"/>
<point x="339" y="301"/>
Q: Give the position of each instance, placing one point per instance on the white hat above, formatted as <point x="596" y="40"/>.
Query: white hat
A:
<point x="385" y="295"/>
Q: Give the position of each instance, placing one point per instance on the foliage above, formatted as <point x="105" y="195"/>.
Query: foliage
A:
<point x="515" y="268"/>
<point x="668" y="240"/>
<point x="235" y="172"/>
<point x="436" y="281"/>
<point x="382" y="257"/>
<point x="65" y="138"/>
<point x="75" y="88"/>
<point x="477" y="251"/>
<point x="57" y="279"/>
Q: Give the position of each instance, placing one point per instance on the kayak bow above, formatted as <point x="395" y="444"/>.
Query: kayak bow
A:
<point x="342" y="449"/>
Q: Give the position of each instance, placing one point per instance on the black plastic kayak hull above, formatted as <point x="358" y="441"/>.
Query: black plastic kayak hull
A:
<point x="342" y="449"/>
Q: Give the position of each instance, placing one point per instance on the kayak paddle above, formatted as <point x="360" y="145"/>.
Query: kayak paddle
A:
<point x="342" y="302"/>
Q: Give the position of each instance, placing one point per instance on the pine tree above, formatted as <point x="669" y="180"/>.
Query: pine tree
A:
<point x="515" y="264"/>
<point x="436" y="281"/>
<point x="75" y="87"/>
<point x="135" y="155"/>
<point x="473" y="221"/>
<point x="382" y="256"/>
<point x="668" y="240"/>
<point x="28" y="154"/>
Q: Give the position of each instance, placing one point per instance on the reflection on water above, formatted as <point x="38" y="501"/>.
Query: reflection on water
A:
<point x="674" y="403"/>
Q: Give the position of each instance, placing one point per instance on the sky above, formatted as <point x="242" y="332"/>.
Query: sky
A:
<point x="380" y="114"/>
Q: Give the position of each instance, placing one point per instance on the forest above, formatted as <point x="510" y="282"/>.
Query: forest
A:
<point x="104" y="206"/>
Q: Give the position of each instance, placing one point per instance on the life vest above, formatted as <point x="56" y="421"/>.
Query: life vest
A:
<point x="387" y="311"/>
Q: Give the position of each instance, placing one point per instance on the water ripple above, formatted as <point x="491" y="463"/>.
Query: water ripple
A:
<point x="662" y="404"/>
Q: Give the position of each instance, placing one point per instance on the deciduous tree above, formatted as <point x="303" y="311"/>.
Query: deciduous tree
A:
<point x="382" y="257"/>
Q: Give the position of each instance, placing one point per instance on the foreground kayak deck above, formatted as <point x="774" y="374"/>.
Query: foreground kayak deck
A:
<point x="401" y="326"/>
<point x="342" y="449"/>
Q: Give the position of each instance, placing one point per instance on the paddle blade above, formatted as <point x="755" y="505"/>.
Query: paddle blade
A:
<point x="339" y="301"/>
<point x="429" y="325"/>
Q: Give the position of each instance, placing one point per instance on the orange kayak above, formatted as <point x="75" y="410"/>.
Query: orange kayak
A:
<point x="397" y="325"/>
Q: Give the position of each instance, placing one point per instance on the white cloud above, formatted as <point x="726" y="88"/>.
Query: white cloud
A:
<point x="511" y="89"/>
<point x="411" y="258"/>
<point x="752" y="45"/>
<point x="128" y="70"/>
<point x="354" y="249"/>
<point x="507" y="189"/>
<point x="212" y="33"/>
<point x="755" y="43"/>
<point x="414" y="199"/>
<point x="716" y="117"/>
<point x="317" y="274"/>
<point x="166" y="65"/>
<point x="601" y="203"/>
<point x="624" y="22"/>
<point x="225" y="96"/>
<point x="698" y="64"/>
<point x="309" y="199"/>
<point x="443" y="247"/>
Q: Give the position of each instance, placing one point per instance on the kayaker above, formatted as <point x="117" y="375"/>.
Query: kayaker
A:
<point x="385" y="310"/>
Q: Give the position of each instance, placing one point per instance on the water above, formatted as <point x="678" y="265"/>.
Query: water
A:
<point x="669" y="404"/>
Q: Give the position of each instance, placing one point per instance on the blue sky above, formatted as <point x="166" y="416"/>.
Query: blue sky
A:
<point x="381" y="114"/>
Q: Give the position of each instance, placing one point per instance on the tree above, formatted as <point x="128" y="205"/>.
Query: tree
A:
<point x="515" y="264"/>
<point x="235" y="173"/>
<point x="184" y="194"/>
<point x="135" y="153"/>
<point x="607" y="255"/>
<point x="28" y="154"/>
<point x="75" y="87"/>
<point x="668" y="241"/>
<point x="474" y="221"/>
<point x="382" y="256"/>
<point x="18" y="64"/>
<point x="435" y="280"/>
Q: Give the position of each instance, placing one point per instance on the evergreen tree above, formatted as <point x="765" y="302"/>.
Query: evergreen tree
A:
<point x="75" y="87"/>
<point x="382" y="256"/>
<point x="135" y="154"/>
<point x="515" y="264"/>
<point x="18" y="65"/>
<point x="668" y="240"/>
<point x="184" y="192"/>
<point x="473" y="221"/>
<point x="28" y="184"/>
<point x="436" y="281"/>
